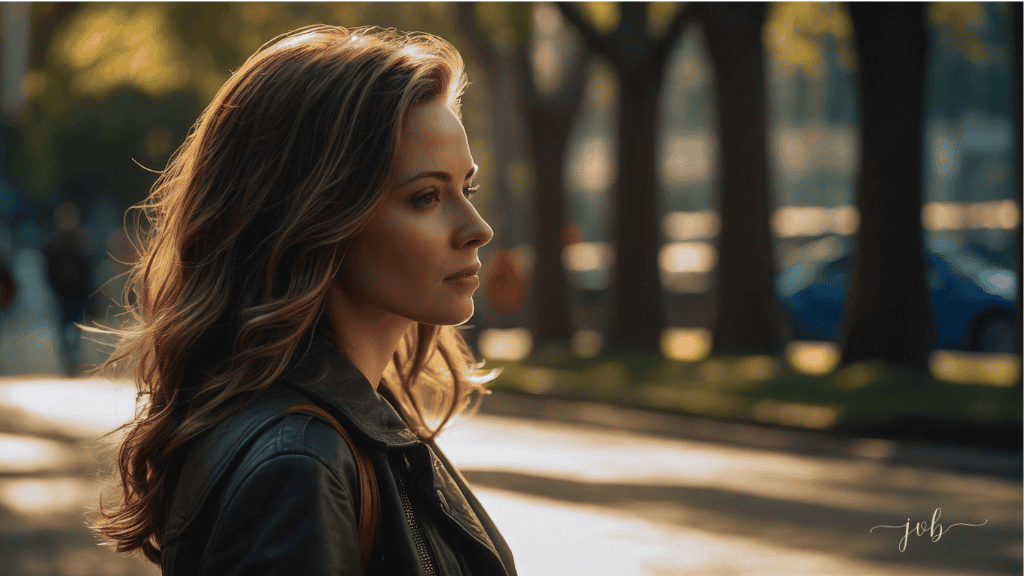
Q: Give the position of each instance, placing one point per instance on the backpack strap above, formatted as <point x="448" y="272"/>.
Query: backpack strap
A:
<point x="369" y="498"/>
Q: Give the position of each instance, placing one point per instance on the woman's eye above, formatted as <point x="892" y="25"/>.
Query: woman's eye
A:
<point x="428" y="199"/>
<point x="471" y="190"/>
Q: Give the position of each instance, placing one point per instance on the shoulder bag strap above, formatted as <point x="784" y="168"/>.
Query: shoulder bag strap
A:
<point x="369" y="499"/>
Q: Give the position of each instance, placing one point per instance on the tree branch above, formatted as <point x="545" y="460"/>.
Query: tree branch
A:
<point x="470" y="26"/>
<point x="684" y="16"/>
<point x="600" y="43"/>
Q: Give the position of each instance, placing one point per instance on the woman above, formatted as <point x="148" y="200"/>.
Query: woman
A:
<point x="313" y="246"/>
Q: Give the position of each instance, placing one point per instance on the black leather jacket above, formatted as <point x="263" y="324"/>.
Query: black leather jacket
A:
<point x="267" y="492"/>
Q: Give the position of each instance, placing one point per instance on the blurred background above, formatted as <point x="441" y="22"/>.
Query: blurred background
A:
<point x="800" y="216"/>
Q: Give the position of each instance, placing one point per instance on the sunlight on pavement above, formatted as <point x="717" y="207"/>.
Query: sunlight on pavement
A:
<point x="586" y="454"/>
<point x="596" y="501"/>
<point x="41" y="497"/>
<point x="19" y="454"/>
<point x="589" y="540"/>
<point x="83" y="408"/>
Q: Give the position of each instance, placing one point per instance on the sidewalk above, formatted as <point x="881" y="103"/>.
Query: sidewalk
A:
<point x="973" y="460"/>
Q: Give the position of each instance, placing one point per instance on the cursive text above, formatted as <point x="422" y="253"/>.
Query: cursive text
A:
<point x="934" y="530"/>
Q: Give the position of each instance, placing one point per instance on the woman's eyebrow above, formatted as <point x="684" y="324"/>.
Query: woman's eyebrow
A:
<point x="440" y="175"/>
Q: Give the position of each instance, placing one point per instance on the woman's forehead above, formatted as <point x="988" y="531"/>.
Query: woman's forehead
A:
<point x="433" y="139"/>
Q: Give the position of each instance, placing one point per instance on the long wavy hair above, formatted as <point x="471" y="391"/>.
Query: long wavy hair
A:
<point x="247" y="228"/>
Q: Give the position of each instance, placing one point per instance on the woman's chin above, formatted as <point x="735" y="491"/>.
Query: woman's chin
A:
<point x="453" y="315"/>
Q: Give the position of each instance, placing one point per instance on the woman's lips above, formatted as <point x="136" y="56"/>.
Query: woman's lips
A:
<point x="465" y="278"/>
<point x="468" y="271"/>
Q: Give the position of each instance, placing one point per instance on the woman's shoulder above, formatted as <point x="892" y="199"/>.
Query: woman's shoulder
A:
<point x="263" y="436"/>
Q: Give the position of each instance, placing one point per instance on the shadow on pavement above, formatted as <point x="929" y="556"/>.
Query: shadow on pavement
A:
<point x="993" y="548"/>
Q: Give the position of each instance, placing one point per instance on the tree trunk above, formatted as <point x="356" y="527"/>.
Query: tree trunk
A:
<point x="636" y="314"/>
<point x="887" y="316"/>
<point x="548" y="125"/>
<point x="639" y="59"/>
<point x="746" y="318"/>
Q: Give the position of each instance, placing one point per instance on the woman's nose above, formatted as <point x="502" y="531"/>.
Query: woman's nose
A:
<point x="475" y="232"/>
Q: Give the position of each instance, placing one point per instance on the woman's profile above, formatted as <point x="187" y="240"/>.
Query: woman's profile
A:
<point x="311" y="248"/>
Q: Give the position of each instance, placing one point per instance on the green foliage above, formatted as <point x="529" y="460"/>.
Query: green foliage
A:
<point x="603" y="15"/>
<point x="113" y="84"/>
<point x="795" y="34"/>
<point x="509" y="24"/>
<point x="960" y="24"/>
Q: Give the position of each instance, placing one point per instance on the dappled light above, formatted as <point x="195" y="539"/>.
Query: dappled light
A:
<point x="816" y="358"/>
<point x="592" y="168"/>
<point x="681" y="226"/>
<point x="815" y="221"/>
<point x="686" y="344"/>
<point x="586" y="256"/>
<point x="687" y="158"/>
<point x="678" y="257"/>
<point x="685" y="265"/>
<point x="586" y="343"/>
<point x="1001" y="370"/>
<point x="997" y="214"/>
<point x="511" y="344"/>
<point x="795" y="414"/>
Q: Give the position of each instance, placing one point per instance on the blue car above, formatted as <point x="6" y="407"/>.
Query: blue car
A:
<point x="972" y="300"/>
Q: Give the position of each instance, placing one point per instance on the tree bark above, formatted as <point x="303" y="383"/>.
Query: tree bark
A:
<point x="887" y="316"/>
<point x="746" y="320"/>
<point x="636" y="319"/>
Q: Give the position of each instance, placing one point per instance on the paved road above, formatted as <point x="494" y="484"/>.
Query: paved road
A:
<point x="574" y="499"/>
<point x="571" y="499"/>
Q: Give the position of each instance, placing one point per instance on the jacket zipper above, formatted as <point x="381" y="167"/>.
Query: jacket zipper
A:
<point x="422" y="547"/>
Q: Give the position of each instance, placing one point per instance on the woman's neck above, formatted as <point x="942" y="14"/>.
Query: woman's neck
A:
<point x="367" y="335"/>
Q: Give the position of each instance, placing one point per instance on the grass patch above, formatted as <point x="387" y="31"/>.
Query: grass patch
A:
<point x="865" y="399"/>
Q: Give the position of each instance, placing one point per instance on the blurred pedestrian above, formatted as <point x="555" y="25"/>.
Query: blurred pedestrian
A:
<point x="8" y="286"/>
<point x="313" y="246"/>
<point x="69" y="271"/>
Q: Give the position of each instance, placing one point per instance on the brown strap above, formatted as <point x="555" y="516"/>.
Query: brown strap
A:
<point x="369" y="499"/>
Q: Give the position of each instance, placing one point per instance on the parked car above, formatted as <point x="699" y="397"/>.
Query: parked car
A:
<point x="972" y="300"/>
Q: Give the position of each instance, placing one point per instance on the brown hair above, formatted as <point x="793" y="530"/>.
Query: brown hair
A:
<point x="248" y="226"/>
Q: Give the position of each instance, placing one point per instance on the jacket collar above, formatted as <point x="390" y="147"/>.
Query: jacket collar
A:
<point x="328" y="375"/>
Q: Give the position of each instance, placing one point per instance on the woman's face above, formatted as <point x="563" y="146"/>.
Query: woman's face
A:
<point x="417" y="256"/>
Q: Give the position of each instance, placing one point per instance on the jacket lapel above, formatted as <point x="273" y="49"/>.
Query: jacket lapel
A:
<point x="331" y="377"/>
